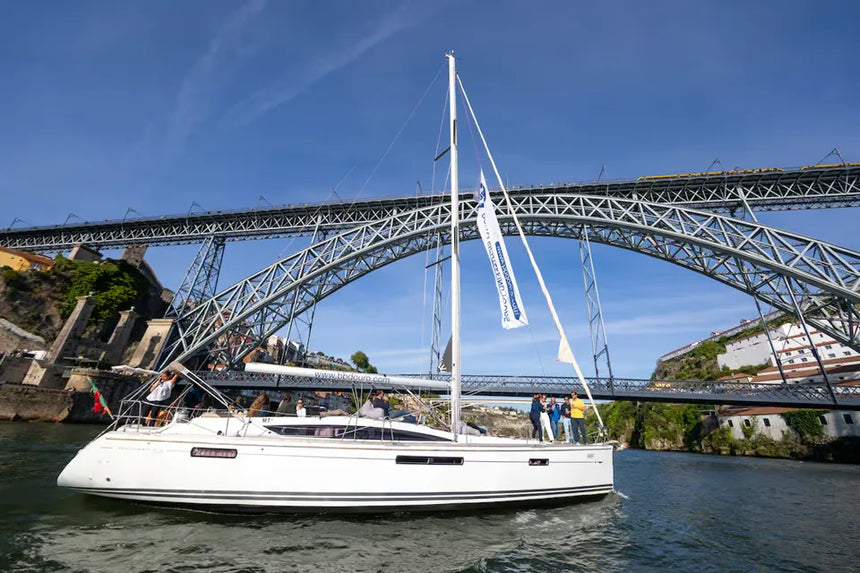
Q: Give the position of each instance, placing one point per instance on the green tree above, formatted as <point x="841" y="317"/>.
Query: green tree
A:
<point x="115" y="285"/>
<point x="360" y="360"/>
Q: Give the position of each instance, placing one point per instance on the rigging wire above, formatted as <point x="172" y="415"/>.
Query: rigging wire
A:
<point x="469" y="118"/>
<point x="438" y="142"/>
<point x="564" y="349"/>
<point x="399" y="132"/>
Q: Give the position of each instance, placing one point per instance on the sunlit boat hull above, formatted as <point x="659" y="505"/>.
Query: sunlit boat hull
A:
<point x="182" y="465"/>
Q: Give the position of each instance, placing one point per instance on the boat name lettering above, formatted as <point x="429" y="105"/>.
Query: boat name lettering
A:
<point x="213" y="453"/>
<point x="429" y="460"/>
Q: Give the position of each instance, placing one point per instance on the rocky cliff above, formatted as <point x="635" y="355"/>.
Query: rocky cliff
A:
<point x="39" y="301"/>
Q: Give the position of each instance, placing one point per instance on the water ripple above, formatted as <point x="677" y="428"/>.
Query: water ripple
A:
<point x="677" y="512"/>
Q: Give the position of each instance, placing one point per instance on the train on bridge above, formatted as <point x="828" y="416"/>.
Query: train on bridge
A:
<point x="743" y="171"/>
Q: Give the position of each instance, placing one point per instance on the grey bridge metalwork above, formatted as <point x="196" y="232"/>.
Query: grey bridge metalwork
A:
<point x="722" y="193"/>
<point x="797" y="395"/>
<point x="744" y="255"/>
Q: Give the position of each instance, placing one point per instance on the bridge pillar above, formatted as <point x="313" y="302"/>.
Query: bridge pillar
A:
<point x="119" y="338"/>
<point x="82" y="252"/>
<point x="147" y="351"/>
<point x="49" y="372"/>
<point x="133" y="254"/>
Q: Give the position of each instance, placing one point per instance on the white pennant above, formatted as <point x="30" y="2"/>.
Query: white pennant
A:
<point x="513" y="312"/>
<point x="565" y="353"/>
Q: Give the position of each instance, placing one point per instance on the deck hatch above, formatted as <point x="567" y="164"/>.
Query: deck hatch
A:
<point x="429" y="460"/>
<point x="213" y="453"/>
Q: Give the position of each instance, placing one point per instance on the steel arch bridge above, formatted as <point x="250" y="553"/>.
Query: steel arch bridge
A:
<point x="815" y="187"/>
<point x="763" y="261"/>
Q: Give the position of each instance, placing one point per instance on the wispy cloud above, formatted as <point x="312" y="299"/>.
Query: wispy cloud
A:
<point x="287" y="88"/>
<point x="200" y="86"/>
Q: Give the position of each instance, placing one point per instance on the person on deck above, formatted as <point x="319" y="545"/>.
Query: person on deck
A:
<point x="577" y="414"/>
<point x="159" y="395"/>
<point x="381" y="401"/>
<point x="565" y="410"/>
<point x="301" y="412"/>
<point x="544" y="419"/>
<point x="554" y="416"/>
<point x="534" y="416"/>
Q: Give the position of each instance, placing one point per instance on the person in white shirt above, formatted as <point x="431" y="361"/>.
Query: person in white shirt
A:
<point x="159" y="395"/>
<point x="300" y="409"/>
<point x="544" y="419"/>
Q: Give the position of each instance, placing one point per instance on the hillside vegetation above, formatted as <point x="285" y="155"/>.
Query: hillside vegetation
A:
<point x="701" y="362"/>
<point x="691" y="428"/>
<point x="40" y="301"/>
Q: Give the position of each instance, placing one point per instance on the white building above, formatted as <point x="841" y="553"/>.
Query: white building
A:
<point x="767" y="421"/>
<point x="795" y="353"/>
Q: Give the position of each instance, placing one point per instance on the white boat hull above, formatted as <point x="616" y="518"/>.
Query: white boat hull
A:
<point x="290" y="473"/>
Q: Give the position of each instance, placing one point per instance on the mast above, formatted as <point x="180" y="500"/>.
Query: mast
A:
<point x="455" y="250"/>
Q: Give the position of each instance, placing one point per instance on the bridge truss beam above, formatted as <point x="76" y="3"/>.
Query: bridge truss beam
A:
<point x="797" y="395"/>
<point x="725" y="193"/>
<point x="201" y="279"/>
<point x="745" y="255"/>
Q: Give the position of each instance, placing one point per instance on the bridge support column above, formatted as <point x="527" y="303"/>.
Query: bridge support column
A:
<point x="201" y="279"/>
<point x="150" y="346"/>
<point x="119" y="338"/>
<point x="48" y="373"/>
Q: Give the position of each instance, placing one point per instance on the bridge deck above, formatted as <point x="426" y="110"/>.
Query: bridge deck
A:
<point x="792" y="395"/>
<point x="814" y="188"/>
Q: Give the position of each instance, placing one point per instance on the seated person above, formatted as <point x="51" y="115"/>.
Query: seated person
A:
<point x="283" y="404"/>
<point x="368" y="411"/>
<point x="301" y="412"/>
<point x="381" y="401"/>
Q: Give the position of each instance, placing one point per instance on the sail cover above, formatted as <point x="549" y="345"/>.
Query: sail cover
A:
<point x="513" y="313"/>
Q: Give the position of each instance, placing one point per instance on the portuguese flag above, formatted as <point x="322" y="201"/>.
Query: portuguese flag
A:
<point x="100" y="404"/>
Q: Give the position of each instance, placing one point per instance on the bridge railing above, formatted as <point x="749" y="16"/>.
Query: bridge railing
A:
<point x="815" y="395"/>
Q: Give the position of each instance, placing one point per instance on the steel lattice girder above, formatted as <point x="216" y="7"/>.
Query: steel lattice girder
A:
<point x="825" y="277"/>
<point x="798" y="395"/>
<point x="201" y="279"/>
<point x="778" y="190"/>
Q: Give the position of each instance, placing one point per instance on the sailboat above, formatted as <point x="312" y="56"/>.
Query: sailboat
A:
<point x="229" y="461"/>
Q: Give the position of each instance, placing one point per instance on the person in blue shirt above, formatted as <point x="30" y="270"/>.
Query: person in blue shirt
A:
<point x="554" y="414"/>
<point x="534" y="416"/>
<point x="565" y="419"/>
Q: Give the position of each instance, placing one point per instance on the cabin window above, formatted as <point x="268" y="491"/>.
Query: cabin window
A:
<point x="823" y="420"/>
<point x="429" y="460"/>
<point x="848" y="419"/>
<point x="766" y="423"/>
<point x="731" y="424"/>
<point x="539" y="462"/>
<point x="213" y="453"/>
<point x="747" y="423"/>
<point x="354" y="433"/>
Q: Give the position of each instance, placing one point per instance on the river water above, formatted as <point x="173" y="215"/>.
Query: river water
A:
<point x="672" y="511"/>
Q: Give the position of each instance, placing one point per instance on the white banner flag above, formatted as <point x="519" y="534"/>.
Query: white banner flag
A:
<point x="513" y="313"/>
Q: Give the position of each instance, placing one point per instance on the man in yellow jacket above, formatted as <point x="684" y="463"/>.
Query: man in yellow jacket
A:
<point x="577" y="415"/>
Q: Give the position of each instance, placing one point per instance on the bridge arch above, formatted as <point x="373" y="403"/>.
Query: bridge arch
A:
<point x="747" y="256"/>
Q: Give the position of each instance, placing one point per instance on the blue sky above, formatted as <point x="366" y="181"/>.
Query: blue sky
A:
<point x="108" y="106"/>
